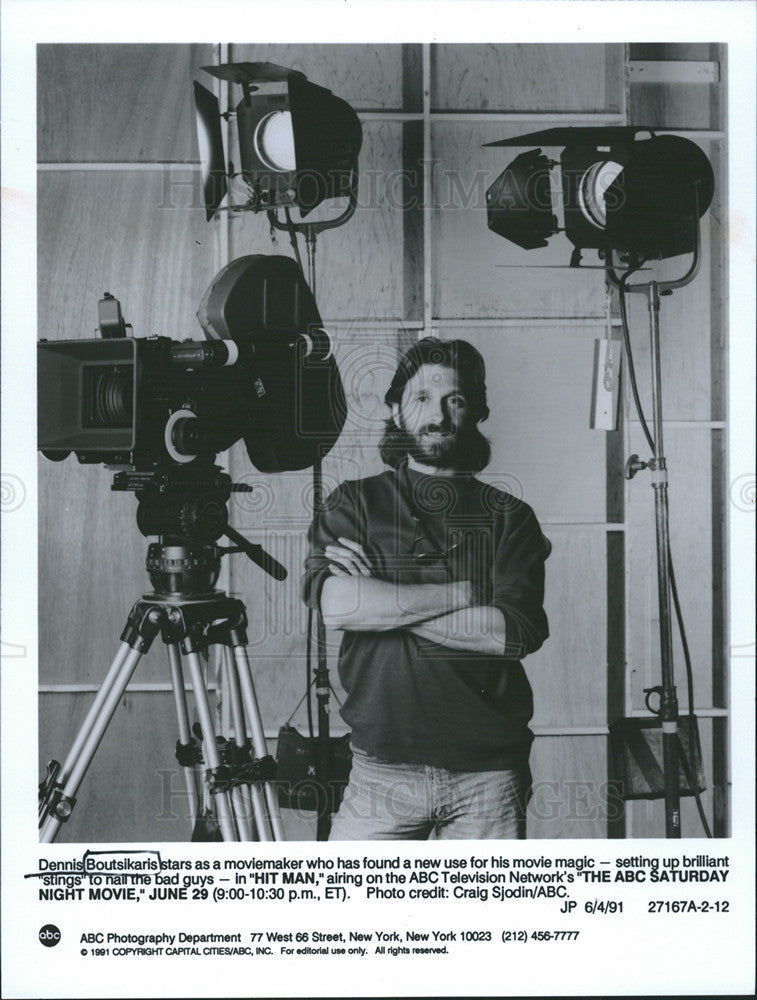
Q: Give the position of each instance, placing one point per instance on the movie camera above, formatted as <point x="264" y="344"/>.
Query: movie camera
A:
<point x="157" y="412"/>
<point x="265" y="373"/>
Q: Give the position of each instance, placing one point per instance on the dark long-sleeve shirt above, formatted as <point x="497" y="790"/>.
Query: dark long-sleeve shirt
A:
<point x="410" y="699"/>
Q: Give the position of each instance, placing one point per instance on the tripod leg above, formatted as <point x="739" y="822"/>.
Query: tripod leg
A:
<point x="240" y="795"/>
<point x="93" y="730"/>
<point x="222" y="799"/>
<point x="94" y="712"/>
<point x="258" y="736"/>
<point x="254" y="791"/>
<point x="182" y="717"/>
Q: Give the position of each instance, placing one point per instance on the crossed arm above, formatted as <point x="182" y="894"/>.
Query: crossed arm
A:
<point x="353" y="600"/>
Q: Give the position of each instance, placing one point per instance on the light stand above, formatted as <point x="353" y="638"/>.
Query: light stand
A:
<point x="321" y="681"/>
<point x="312" y="157"/>
<point x="667" y="709"/>
<point x="642" y="197"/>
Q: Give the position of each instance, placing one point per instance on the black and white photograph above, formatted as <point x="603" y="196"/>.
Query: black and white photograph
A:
<point x="384" y="471"/>
<point x="450" y="305"/>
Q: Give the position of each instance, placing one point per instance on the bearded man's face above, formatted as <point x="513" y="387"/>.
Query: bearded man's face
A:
<point x="435" y="416"/>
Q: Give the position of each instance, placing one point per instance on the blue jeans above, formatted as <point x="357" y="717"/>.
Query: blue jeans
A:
<point x="388" y="801"/>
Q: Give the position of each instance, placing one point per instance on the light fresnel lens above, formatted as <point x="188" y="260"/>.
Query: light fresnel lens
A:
<point x="623" y="188"/>
<point x="274" y="141"/>
<point x="298" y="142"/>
<point x="592" y="189"/>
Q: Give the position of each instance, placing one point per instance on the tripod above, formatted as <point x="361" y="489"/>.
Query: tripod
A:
<point x="190" y="616"/>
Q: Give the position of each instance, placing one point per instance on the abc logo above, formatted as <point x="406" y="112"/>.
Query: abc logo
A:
<point x="49" y="935"/>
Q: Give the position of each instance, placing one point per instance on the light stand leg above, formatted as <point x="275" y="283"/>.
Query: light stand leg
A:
<point x="323" y="751"/>
<point x="91" y="733"/>
<point x="323" y="743"/>
<point x="241" y="794"/>
<point x="310" y="238"/>
<point x="668" y="697"/>
<point x="323" y="747"/>
<point x="212" y="758"/>
<point x="260" y="748"/>
<point x="182" y="717"/>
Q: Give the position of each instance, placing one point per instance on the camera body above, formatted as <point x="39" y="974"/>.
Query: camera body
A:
<point x="265" y="374"/>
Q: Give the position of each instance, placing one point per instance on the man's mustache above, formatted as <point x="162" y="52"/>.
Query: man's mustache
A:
<point x="442" y="428"/>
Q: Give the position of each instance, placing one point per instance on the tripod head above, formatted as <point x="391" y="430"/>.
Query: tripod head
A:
<point x="185" y="506"/>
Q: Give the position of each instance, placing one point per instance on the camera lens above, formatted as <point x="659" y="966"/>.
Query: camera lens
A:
<point x="110" y="399"/>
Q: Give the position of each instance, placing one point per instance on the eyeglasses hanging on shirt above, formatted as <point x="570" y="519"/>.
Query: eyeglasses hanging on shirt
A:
<point x="423" y="549"/>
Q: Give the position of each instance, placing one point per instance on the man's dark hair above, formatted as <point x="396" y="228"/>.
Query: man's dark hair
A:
<point x="468" y="364"/>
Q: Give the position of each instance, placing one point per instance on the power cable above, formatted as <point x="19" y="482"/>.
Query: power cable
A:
<point x="689" y="769"/>
<point x="292" y="230"/>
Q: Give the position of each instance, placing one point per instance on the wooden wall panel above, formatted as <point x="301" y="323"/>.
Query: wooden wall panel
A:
<point x="652" y="106"/>
<point x="569" y="673"/>
<point x="125" y="233"/>
<point x="360" y="265"/>
<point x="477" y="273"/>
<point x="572" y="799"/>
<point x="367" y="361"/>
<point x="117" y="102"/>
<point x="539" y="387"/>
<point x="688" y="452"/>
<point x="91" y="571"/>
<point x="123" y="796"/>
<point x="531" y="77"/>
<point x="692" y="106"/>
<point x="134" y="790"/>
<point x="670" y="50"/>
<point x="369" y="77"/>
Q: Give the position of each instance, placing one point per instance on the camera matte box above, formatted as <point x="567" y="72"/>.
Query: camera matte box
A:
<point x="66" y="372"/>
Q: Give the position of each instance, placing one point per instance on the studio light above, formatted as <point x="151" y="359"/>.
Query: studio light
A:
<point x="298" y="147"/>
<point x="633" y="196"/>
<point x="642" y="196"/>
<point x="298" y="143"/>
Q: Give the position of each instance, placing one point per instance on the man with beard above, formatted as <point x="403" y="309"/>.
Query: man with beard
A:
<point x="437" y="581"/>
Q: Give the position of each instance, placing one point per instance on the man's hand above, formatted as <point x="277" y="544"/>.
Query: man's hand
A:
<point x="478" y="629"/>
<point x="347" y="559"/>
<point x="354" y="600"/>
